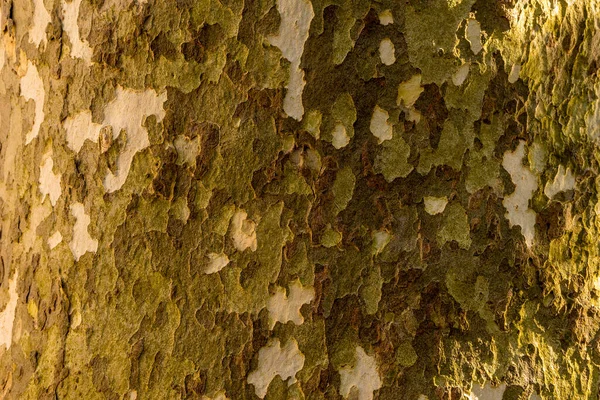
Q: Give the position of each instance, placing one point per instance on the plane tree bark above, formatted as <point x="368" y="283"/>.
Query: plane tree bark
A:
<point x="303" y="199"/>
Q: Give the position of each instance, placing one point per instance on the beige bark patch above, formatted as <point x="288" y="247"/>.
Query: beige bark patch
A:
<point x="473" y="34"/>
<point x="515" y="71"/>
<point x="387" y="52"/>
<point x="32" y="88"/>
<point x="243" y="232"/>
<point x="127" y="112"/>
<point x="49" y="181"/>
<point x="81" y="128"/>
<point x="81" y="242"/>
<point x="340" y="136"/>
<point x="409" y="91"/>
<point x="55" y="240"/>
<point x="435" y="205"/>
<point x="41" y="19"/>
<point x="7" y="315"/>
<point x="79" y="48"/>
<point x="487" y="392"/>
<point x="380" y="126"/>
<point x="461" y="74"/>
<point x="386" y="17"/>
<point x="517" y="203"/>
<point x="216" y="262"/>
<point x="362" y="379"/>
<point x="275" y="360"/>
<point x="283" y="308"/>
<point x="296" y="16"/>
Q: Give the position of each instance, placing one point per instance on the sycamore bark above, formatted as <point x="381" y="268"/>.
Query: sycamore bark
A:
<point x="299" y="199"/>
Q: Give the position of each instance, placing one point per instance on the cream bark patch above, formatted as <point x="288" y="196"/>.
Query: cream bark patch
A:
<point x="409" y="91"/>
<point x="380" y="126"/>
<point x="7" y="315"/>
<point x="473" y="34"/>
<point x="517" y="203"/>
<point x="296" y="16"/>
<point x="275" y="360"/>
<point x="41" y="19"/>
<point x="32" y="88"/>
<point x="216" y="262"/>
<point x="81" y="242"/>
<point x="362" y="379"/>
<point x="127" y="112"/>
<point x="386" y="17"/>
<point x="515" y="71"/>
<point x="435" y="205"/>
<point x="461" y="74"/>
<point x="81" y="128"/>
<point x="55" y="240"/>
<point x="49" y="181"/>
<point x="243" y="231"/>
<point x="387" y="52"/>
<point x="340" y="136"/>
<point x="563" y="181"/>
<point x="487" y="392"/>
<point x="283" y="308"/>
<point x="79" y="48"/>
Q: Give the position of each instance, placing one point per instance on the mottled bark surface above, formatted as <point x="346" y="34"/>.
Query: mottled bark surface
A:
<point x="299" y="199"/>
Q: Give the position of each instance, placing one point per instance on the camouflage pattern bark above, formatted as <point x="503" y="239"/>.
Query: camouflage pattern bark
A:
<point x="299" y="199"/>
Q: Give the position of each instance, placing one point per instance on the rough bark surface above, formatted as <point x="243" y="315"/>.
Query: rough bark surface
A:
<point x="299" y="199"/>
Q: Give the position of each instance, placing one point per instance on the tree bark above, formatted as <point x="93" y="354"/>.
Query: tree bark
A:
<point x="299" y="199"/>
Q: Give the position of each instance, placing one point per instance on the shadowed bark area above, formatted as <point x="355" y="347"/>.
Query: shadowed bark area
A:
<point x="299" y="199"/>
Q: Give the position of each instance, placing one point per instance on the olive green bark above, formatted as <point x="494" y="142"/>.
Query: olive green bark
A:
<point x="294" y="199"/>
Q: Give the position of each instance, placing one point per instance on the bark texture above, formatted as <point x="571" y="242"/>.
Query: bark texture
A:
<point x="299" y="199"/>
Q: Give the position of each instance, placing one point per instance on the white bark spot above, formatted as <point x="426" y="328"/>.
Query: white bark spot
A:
<point x="127" y="112"/>
<point x="296" y="16"/>
<point x="386" y="17"/>
<point x="387" y="52"/>
<point x="32" y="88"/>
<point x="473" y="34"/>
<point x="283" y="308"/>
<point x="81" y="242"/>
<point x="517" y="203"/>
<point x="49" y="181"/>
<point x="435" y="205"/>
<point x="563" y="181"/>
<point x="243" y="231"/>
<point x="487" y="392"/>
<point x="515" y="71"/>
<point x="461" y="74"/>
<point x="380" y="126"/>
<point x="274" y="360"/>
<point x="340" y="136"/>
<point x="41" y="19"/>
<point x="363" y="377"/>
<point x="81" y="128"/>
<point x="409" y="91"/>
<point x="7" y="315"/>
<point x="216" y="262"/>
<point x="79" y="48"/>
<point x="55" y="240"/>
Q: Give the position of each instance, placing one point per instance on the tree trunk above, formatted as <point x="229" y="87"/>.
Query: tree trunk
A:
<point x="299" y="199"/>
